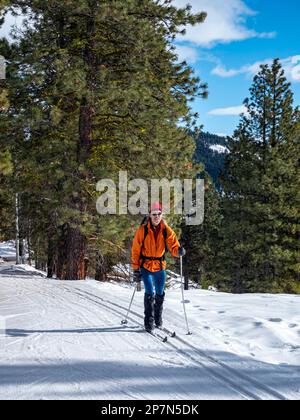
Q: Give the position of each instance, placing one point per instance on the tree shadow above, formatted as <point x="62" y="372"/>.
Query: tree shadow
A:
<point x="15" y="332"/>
<point x="110" y="379"/>
<point x="19" y="273"/>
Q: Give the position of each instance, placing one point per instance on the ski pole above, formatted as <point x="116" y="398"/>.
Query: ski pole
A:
<point x="182" y="292"/>
<point x="124" y="321"/>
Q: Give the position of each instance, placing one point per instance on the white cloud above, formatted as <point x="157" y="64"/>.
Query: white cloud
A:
<point x="295" y="73"/>
<point x="249" y="69"/>
<point x="233" y="110"/>
<point x="192" y="54"/>
<point x="222" y="72"/>
<point x="291" y="66"/>
<point x="226" y="22"/>
<point x="186" y="53"/>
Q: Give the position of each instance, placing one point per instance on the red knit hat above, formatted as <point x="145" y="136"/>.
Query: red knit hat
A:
<point x="156" y="206"/>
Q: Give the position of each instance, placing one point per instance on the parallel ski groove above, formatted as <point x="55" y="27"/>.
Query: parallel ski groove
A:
<point x="163" y="338"/>
<point x="264" y="390"/>
<point x="211" y="370"/>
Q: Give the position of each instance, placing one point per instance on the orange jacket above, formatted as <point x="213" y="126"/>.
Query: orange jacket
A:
<point x="152" y="248"/>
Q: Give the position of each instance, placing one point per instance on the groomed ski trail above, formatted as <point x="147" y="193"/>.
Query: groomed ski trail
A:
<point x="64" y="340"/>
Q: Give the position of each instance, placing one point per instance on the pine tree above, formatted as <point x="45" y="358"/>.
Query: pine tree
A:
<point x="256" y="234"/>
<point x="95" y="88"/>
<point x="240" y="216"/>
<point x="286" y="212"/>
<point x="6" y="201"/>
<point x="6" y="198"/>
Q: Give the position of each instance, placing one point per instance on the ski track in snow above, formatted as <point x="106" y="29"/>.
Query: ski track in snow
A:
<point x="64" y="340"/>
<point x="238" y="381"/>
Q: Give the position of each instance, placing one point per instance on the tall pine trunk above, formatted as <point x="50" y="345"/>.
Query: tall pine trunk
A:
<point x="72" y="260"/>
<point x="72" y="251"/>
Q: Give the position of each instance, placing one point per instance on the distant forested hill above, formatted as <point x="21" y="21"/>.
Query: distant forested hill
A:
<point x="211" y="150"/>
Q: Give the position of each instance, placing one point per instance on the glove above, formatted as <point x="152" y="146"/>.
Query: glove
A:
<point x="181" y="251"/>
<point x="137" y="276"/>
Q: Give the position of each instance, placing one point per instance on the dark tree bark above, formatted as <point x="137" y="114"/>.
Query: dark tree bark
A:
<point x="72" y="262"/>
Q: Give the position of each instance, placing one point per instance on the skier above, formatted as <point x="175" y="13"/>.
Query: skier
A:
<point x="149" y="264"/>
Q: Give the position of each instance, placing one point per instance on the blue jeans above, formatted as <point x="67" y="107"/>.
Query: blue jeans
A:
<point x="158" y="278"/>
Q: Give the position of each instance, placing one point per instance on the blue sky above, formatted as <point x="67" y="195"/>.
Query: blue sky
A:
<point x="227" y="49"/>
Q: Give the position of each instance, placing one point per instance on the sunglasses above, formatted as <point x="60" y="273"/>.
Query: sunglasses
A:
<point x="156" y="214"/>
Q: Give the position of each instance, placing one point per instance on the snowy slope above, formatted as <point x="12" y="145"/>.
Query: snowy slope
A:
<point x="218" y="148"/>
<point x="64" y="340"/>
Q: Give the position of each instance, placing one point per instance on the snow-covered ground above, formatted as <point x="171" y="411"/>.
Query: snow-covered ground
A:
<point x="64" y="340"/>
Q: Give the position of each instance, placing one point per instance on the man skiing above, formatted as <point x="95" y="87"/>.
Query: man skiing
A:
<point x="149" y="264"/>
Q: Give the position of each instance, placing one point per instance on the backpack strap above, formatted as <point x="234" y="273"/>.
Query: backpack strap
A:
<point x="143" y="257"/>
<point x="165" y="233"/>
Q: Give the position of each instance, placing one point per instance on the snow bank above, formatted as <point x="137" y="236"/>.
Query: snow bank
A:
<point x="264" y="327"/>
